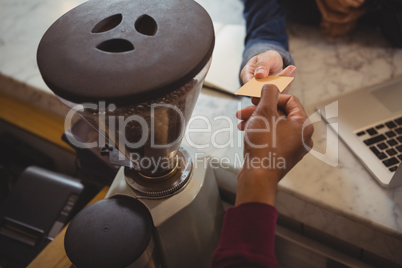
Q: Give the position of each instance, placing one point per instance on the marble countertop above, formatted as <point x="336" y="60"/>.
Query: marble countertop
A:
<point x="342" y="200"/>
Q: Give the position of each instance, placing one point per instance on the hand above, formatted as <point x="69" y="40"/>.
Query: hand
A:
<point x="264" y="64"/>
<point x="267" y="63"/>
<point x="352" y="3"/>
<point x="273" y="144"/>
<point x="344" y="6"/>
<point x="339" y="16"/>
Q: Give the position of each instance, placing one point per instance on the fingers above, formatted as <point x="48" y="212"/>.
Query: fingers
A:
<point x="295" y="111"/>
<point x="292" y="106"/>
<point x="248" y="71"/>
<point x="268" y="104"/>
<point x="288" y="71"/>
<point x="353" y="3"/>
<point x="255" y="100"/>
<point x="264" y="64"/>
<point x="308" y="130"/>
<point x="242" y="125"/>
<point x="262" y="68"/>
<point x="269" y="62"/>
<point x="245" y="113"/>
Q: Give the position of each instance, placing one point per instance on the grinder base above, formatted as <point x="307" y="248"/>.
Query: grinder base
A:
<point x="187" y="224"/>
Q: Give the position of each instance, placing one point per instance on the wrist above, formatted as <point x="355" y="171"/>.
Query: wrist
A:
<point x="257" y="185"/>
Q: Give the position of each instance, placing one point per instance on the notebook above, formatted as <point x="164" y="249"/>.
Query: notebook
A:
<point x="370" y="124"/>
<point x="224" y="72"/>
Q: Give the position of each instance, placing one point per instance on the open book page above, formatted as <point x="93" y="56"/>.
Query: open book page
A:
<point x="226" y="58"/>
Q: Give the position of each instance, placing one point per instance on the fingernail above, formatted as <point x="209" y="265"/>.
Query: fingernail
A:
<point x="260" y="70"/>
<point x="292" y="70"/>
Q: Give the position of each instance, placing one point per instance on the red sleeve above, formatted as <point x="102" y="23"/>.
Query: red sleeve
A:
<point x="248" y="237"/>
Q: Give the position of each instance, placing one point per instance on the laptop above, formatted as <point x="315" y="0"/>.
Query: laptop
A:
<point x="370" y="124"/>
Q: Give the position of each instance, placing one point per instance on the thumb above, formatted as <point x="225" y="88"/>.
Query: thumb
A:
<point x="261" y="69"/>
<point x="268" y="104"/>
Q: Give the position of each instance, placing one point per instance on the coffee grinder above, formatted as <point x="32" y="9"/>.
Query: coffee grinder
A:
<point x="133" y="69"/>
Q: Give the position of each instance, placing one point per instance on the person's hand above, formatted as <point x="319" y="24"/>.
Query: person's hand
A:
<point x="267" y="63"/>
<point x="273" y="144"/>
<point x="344" y="6"/>
<point x="339" y="16"/>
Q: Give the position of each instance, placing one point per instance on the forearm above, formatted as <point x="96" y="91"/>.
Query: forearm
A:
<point x="265" y="29"/>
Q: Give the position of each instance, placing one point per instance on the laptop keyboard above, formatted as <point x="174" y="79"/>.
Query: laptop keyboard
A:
<point x="385" y="141"/>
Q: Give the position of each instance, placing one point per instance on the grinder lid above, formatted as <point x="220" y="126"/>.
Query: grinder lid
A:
<point x="125" y="51"/>
<point x="112" y="232"/>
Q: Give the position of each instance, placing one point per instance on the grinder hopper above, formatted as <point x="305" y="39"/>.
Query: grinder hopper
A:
<point x="136" y="67"/>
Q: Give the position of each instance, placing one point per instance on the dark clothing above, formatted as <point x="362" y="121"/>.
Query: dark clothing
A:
<point x="265" y="29"/>
<point x="265" y="23"/>
<point x="248" y="237"/>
